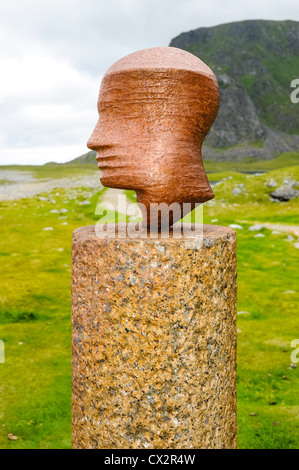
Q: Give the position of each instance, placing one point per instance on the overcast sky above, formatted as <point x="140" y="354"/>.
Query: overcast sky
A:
<point x="53" y="54"/>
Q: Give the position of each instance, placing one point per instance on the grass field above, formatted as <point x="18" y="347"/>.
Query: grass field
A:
<point x="35" y="312"/>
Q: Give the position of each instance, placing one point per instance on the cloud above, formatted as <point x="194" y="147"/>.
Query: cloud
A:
<point x="94" y="33"/>
<point x="46" y="102"/>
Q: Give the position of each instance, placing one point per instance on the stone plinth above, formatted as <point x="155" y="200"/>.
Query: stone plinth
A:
<point x="154" y="341"/>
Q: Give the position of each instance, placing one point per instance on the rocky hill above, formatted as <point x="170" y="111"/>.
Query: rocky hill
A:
<point x="89" y="157"/>
<point x="255" y="63"/>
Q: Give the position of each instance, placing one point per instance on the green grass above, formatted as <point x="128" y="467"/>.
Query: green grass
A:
<point x="54" y="170"/>
<point x="35" y="312"/>
<point x="251" y="164"/>
<point x="267" y="267"/>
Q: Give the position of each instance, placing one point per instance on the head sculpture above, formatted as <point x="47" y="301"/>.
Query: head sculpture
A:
<point x="155" y="108"/>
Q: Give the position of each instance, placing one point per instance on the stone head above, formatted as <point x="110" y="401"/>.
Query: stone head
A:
<point x="155" y="108"/>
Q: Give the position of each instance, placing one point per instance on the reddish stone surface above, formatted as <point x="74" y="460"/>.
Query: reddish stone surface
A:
<point x="155" y="108"/>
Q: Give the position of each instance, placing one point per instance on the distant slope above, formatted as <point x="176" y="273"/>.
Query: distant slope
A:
<point x="255" y="62"/>
<point x="89" y="157"/>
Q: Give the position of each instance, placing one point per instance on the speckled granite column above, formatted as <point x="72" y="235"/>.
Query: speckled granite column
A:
<point x="154" y="341"/>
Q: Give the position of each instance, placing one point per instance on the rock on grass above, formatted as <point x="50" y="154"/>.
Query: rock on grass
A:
<point x="256" y="228"/>
<point x="285" y="193"/>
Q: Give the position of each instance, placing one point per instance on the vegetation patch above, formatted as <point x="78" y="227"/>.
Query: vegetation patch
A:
<point x="35" y="303"/>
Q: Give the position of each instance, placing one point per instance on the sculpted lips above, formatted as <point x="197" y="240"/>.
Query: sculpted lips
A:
<point x="105" y="161"/>
<point x="105" y="157"/>
<point x="108" y="161"/>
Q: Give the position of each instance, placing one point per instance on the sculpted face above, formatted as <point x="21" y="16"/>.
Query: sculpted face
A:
<point x="155" y="108"/>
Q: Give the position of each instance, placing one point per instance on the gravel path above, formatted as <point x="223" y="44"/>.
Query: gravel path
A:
<point x="23" y="184"/>
<point x="294" y="229"/>
<point x="119" y="205"/>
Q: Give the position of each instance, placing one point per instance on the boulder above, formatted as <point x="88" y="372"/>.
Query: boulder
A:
<point x="256" y="228"/>
<point x="285" y="193"/>
<point x="272" y="183"/>
<point x="236" y="191"/>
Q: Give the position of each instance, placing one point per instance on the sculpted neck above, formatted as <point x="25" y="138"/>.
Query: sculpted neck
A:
<point x="180" y="179"/>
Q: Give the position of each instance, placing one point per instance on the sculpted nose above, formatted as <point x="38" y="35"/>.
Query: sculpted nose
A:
<point x="99" y="139"/>
<point x="91" y="145"/>
<point x="93" y="141"/>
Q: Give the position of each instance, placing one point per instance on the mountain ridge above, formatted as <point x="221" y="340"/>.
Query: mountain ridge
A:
<point x="255" y="62"/>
